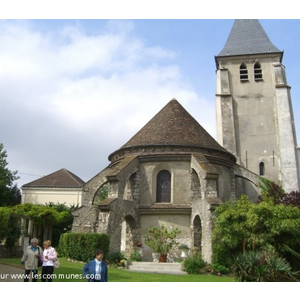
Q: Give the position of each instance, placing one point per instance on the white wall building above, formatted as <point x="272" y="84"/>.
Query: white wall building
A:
<point x="61" y="187"/>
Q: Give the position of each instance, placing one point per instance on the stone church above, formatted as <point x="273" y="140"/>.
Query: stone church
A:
<point x="173" y="172"/>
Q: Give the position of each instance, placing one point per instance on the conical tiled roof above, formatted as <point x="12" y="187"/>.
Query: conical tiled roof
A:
<point x="172" y="127"/>
<point x="61" y="178"/>
<point x="248" y="37"/>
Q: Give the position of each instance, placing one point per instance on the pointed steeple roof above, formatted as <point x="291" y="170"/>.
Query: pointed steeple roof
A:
<point x="172" y="127"/>
<point x="59" y="179"/>
<point x="248" y="37"/>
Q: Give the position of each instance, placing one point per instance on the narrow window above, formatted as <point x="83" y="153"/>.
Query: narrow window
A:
<point x="243" y="72"/>
<point x="257" y="71"/>
<point x="261" y="168"/>
<point x="163" y="193"/>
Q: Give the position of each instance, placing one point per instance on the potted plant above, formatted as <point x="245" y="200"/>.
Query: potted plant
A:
<point x="184" y="250"/>
<point x="161" y="240"/>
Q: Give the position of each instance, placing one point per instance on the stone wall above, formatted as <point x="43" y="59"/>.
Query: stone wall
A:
<point x="198" y="187"/>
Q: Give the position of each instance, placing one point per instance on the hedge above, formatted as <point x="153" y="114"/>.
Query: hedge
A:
<point x="82" y="246"/>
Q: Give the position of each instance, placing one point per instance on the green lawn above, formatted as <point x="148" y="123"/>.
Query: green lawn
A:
<point x="72" y="272"/>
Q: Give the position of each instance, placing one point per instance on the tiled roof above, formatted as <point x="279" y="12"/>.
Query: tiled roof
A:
<point x="173" y="125"/>
<point x="248" y="37"/>
<point x="61" y="178"/>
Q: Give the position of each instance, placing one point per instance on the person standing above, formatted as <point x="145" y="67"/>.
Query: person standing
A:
<point x="30" y="259"/>
<point x="96" y="269"/>
<point x="49" y="256"/>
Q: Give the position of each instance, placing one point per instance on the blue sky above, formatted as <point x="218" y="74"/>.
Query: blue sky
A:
<point x="74" y="91"/>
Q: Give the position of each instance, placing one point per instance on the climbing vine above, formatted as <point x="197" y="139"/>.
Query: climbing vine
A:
<point x="40" y="214"/>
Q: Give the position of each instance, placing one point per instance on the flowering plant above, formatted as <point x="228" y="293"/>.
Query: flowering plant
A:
<point x="216" y="269"/>
<point x="160" y="240"/>
<point x="212" y="271"/>
<point x="135" y="256"/>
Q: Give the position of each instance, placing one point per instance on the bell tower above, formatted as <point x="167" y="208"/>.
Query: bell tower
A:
<point x="253" y="105"/>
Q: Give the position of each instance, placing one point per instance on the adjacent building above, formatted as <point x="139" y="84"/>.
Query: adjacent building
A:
<point x="61" y="186"/>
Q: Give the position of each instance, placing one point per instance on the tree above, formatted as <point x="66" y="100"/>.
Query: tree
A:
<point x="242" y="225"/>
<point x="275" y="192"/>
<point x="292" y="198"/>
<point x="4" y="215"/>
<point x="10" y="228"/>
<point x="65" y="225"/>
<point x="10" y="220"/>
<point x="271" y="190"/>
<point x="9" y="192"/>
<point x="13" y="232"/>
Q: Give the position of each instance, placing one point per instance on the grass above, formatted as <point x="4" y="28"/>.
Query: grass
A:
<point x="72" y="272"/>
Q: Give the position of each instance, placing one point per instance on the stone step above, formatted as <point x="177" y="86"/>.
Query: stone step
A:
<point x="156" y="267"/>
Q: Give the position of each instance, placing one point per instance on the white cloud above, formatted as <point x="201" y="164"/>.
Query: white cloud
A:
<point x="69" y="99"/>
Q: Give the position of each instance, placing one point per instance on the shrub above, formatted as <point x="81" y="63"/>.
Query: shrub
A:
<point x="135" y="256"/>
<point x="82" y="246"/>
<point x="193" y="263"/>
<point x="266" y="266"/>
<point x="242" y="225"/>
<point x="216" y="269"/>
<point x="116" y="259"/>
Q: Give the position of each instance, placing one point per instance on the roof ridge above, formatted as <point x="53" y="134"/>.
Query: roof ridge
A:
<point x="75" y="177"/>
<point x="60" y="178"/>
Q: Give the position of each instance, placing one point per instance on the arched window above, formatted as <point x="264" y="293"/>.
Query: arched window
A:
<point x="243" y="72"/>
<point x="163" y="186"/>
<point x="261" y="168"/>
<point x="257" y="71"/>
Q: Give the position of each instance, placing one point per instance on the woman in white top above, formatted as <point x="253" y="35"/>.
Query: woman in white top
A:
<point x="49" y="256"/>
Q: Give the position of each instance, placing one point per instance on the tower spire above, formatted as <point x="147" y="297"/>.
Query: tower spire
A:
<point x="248" y="37"/>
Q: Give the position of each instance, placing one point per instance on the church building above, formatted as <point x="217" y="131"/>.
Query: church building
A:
<point x="172" y="172"/>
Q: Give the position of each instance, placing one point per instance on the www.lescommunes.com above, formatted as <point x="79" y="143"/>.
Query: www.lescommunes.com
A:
<point x="39" y="276"/>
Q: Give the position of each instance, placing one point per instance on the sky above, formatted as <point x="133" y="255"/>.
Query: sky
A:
<point x="72" y="91"/>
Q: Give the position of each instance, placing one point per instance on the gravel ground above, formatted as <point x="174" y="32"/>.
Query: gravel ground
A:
<point x="10" y="273"/>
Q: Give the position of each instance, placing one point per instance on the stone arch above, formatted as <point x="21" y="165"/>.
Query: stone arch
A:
<point x="197" y="233"/>
<point x="99" y="194"/>
<point x="131" y="190"/>
<point x="91" y="188"/>
<point x="195" y="186"/>
<point x="130" y="235"/>
<point x="246" y="182"/>
<point x="240" y="171"/>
